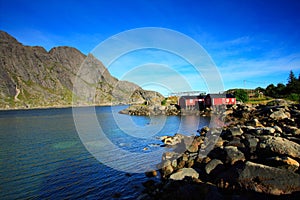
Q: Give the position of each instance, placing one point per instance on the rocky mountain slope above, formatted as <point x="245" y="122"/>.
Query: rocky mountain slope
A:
<point x="32" y="77"/>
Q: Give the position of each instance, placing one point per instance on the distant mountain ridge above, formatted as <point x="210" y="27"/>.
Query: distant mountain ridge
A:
<point x="32" y="77"/>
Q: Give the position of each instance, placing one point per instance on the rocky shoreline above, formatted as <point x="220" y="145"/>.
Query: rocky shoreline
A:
<point x="254" y="154"/>
<point x="147" y="110"/>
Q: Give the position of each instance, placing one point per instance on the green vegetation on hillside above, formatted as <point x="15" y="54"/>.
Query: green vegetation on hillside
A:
<point x="241" y="95"/>
<point x="289" y="91"/>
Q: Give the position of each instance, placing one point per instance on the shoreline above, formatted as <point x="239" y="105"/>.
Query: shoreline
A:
<point x="59" y="107"/>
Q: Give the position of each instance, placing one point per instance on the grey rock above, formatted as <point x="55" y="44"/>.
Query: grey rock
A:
<point x="278" y="115"/>
<point x="184" y="172"/>
<point x="212" y="165"/>
<point x="236" y="131"/>
<point x="277" y="129"/>
<point x="233" y="155"/>
<point x="268" y="180"/>
<point x="254" y="123"/>
<point x="278" y="145"/>
<point x="284" y="162"/>
<point x="251" y="143"/>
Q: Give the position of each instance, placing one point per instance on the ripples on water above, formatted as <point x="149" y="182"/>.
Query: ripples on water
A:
<point x="41" y="155"/>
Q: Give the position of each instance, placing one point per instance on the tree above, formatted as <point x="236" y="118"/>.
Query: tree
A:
<point x="291" y="86"/>
<point x="270" y="90"/>
<point x="292" y="78"/>
<point x="241" y="95"/>
<point x="280" y="89"/>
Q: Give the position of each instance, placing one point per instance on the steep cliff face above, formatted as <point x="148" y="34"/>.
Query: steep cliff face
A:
<point x="32" y="77"/>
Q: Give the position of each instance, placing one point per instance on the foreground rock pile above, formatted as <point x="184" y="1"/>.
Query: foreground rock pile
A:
<point x="255" y="154"/>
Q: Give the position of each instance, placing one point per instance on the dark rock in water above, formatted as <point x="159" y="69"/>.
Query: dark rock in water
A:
<point x="152" y="173"/>
<point x="186" y="189"/>
<point x="150" y="185"/>
<point x="268" y="180"/>
<point x="270" y="145"/>
<point x="116" y="195"/>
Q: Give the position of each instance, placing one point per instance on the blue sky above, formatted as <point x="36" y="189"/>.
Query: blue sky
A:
<point x="253" y="40"/>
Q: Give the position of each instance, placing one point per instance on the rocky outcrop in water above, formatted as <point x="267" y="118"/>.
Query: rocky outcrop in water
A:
<point x="155" y="109"/>
<point x="254" y="155"/>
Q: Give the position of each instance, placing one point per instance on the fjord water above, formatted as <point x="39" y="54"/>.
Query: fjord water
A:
<point x="42" y="156"/>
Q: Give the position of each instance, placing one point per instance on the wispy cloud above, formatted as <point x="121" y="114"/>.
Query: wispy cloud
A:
<point x="267" y="70"/>
<point x="255" y="58"/>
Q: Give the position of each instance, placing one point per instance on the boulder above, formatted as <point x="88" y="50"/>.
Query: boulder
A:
<point x="268" y="130"/>
<point x="277" y="145"/>
<point x="236" y="141"/>
<point x="194" y="146"/>
<point x="236" y="131"/>
<point x="251" y="143"/>
<point x="167" y="170"/>
<point x="280" y="114"/>
<point x="184" y="172"/>
<point x="212" y="165"/>
<point x="152" y="173"/>
<point x="277" y="129"/>
<point x="176" y="139"/>
<point x="169" y="155"/>
<point x="292" y="130"/>
<point x="233" y="155"/>
<point x="268" y="180"/>
<point x="254" y="123"/>
<point x="277" y="102"/>
<point x="203" y="131"/>
<point x="283" y="163"/>
<point x="149" y="184"/>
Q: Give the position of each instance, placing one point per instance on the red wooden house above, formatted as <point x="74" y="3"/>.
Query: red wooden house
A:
<point x="191" y="102"/>
<point x="219" y="99"/>
<point x="200" y="101"/>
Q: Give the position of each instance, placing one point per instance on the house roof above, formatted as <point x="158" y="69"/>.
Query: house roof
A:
<point x="193" y="97"/>
<point x="221" y="95"/>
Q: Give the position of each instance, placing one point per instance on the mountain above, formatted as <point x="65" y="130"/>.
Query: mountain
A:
<point x="32" y="77"/>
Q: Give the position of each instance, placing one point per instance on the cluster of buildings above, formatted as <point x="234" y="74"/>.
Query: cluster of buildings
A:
<point x="201" y="101"/>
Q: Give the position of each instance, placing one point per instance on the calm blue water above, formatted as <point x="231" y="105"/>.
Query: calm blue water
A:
<point x="42" y="156"/>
